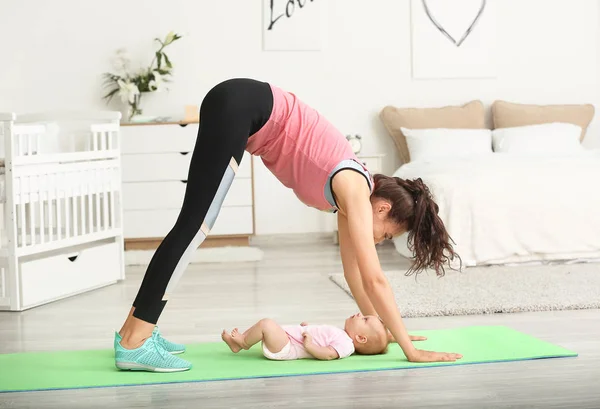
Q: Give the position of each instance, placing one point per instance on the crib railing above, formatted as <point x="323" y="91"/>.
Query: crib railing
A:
<point x="100" y="142"/>
<point x="63" y="194"/>
<point x="65" y="204"/>
<point x="26" y="139"/>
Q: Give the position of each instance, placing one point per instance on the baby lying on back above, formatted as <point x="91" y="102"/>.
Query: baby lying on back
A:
<point x="365" y="335"/>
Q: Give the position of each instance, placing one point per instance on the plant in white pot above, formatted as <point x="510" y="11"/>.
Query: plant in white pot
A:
<point x="131" y="86"/>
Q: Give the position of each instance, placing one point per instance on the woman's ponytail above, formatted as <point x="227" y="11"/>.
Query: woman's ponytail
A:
<point x="413" y="206"/>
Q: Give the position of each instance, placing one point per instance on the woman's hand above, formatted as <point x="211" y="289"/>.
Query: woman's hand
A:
<point x="417" y="338"/>
<point x="412" y="337"/>
<point x="419" y="355"/>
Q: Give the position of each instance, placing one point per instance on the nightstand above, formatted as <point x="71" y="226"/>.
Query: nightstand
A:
<point x="374" y="164"/>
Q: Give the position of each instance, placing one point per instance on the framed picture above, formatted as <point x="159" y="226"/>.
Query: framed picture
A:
<point x="292" y="25"/>
<point x="453" y="38"/>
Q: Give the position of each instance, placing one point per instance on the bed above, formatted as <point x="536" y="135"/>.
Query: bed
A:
<point x="60" y="199"/>
<point x="525" y="191"/>
<point x="503" y="209"/>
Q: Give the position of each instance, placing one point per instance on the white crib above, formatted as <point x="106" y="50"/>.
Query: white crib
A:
<point x="60" y="193"/>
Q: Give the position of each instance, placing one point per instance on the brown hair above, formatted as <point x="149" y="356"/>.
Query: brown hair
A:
<point x="414" y="208"/>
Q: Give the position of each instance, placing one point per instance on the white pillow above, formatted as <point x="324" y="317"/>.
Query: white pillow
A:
<point x="442" y="142"/>
<point x="556" y="137"/>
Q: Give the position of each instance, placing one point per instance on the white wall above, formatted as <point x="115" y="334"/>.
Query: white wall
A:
<point x="55" y="51"/>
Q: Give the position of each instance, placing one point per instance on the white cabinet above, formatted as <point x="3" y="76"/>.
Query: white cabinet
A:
<point x="58" y="276"/>
<point x="155" y="164"/>
<point x="372" y="162"/>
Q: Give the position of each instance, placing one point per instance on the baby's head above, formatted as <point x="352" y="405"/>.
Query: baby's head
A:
<point x="368" y="334"/>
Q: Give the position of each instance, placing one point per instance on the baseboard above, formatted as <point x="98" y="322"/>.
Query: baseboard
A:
<point x="291" y="239"/>
<point x="269" y="240"/>
<point x="221" y="254"/>
<point x="152" y="243"/>
<point x="298" y="239"/>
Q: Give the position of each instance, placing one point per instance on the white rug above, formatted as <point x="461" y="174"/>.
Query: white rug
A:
<point x="229" y="254"/>
<point x="489" y="290"/>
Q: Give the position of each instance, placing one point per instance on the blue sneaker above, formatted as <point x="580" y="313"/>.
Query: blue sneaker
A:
<point x="171" y="347"/>
<point x="151" y="357"/>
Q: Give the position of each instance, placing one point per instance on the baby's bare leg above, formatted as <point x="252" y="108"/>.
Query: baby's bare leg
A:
<point x="266" y="330"/>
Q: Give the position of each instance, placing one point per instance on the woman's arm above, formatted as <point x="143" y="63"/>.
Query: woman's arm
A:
<point x="351" y="270"/>
<point x="353" y="196"/>
<point x="353" y="278"/>
<point x="368" y="279"/>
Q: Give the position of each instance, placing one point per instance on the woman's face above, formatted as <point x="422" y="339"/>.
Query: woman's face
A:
<point x="383" y="227"/>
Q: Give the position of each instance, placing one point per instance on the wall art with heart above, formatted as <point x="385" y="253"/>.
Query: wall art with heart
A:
<point x="453" y="38"/>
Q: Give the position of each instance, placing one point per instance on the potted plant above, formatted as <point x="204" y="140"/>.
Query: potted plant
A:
<point x="129" y="86"/>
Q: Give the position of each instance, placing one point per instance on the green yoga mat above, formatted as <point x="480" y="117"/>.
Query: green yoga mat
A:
<point x="214" y="361"/>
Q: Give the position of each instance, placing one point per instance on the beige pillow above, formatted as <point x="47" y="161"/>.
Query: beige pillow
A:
<point x="468" y="116"/>
<point x="508" y="115"/>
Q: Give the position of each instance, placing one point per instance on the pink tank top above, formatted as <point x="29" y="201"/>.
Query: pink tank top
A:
<point x="301" y="148"/>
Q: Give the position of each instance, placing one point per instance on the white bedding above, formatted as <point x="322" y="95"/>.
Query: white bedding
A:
<point x="505" y="208"/>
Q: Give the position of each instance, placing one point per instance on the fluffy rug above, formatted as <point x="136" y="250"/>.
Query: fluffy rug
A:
<point x="229" y="254"/>
<point x="497" y="289"/>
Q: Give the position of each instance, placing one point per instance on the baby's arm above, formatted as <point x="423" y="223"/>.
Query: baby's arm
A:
<point x="319" y="352"/>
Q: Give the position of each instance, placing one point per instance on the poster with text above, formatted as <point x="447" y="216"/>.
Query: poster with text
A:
<point x="292" y="25"/>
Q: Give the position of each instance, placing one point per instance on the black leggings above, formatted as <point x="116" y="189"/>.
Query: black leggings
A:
<point x="230" y="113"/>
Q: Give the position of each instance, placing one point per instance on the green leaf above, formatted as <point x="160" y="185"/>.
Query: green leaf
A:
<point x="110" y="77"/>
<point x="110" y="80"/>
<point x="158" y="58"/>
<point x="110" y="95"/>
<point x="108" y="83"/>
<point x="167" y="61"/>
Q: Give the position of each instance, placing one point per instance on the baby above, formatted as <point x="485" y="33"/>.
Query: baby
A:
<point x="365" y="335"/>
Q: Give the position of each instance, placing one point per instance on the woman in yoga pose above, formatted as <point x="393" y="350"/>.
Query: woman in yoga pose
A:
<point x="307" y="154"/>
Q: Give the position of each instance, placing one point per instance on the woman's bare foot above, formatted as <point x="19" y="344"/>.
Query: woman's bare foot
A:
<point x="239" y="339"/>
<point x="235" y="348"/>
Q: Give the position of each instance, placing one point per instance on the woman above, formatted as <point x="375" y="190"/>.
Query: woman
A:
<point x="307" y="154"/>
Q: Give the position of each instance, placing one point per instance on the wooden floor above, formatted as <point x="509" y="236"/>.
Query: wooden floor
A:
<point x="291" y="285"/>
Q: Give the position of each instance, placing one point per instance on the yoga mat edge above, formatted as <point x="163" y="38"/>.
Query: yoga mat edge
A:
<point x="64" y="370"/>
